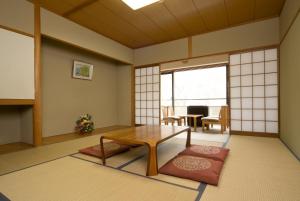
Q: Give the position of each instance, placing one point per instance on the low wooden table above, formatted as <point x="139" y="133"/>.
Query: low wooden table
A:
<point x="194" y="116"/>
<point x="146" y="135"/>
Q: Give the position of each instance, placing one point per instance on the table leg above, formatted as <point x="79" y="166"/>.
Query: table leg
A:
<point x="188" y="138"/>
<point x="102" y="150"/>
<point x="195" y="124"/>
<point x="152" y="168"/>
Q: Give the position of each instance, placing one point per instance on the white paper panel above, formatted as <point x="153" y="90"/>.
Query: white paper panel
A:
<point x="155" y="112"/>
<point x="156" y="121"/>
<point x="258" y="91"/>
<point x="235" y="59"/>
<point x="143" y="104"/>
<point x="149" y="104"/>
<point x="149" y="70"/>
<point x="137" y="96"/>
<point x="156" y="87"/>
<point x="137" y="80"/>
<point x="271" y="90"/>
<point x="143" y="96"/>
<point x="271" y="67"/>
<point x="247" y="103"/>
<point x="259" y="79"/>
<point x="271" y="103"/>
<point x="149" y="79"/>
<point x="155" y="104"/>
<point x="155" y="78"/>
<point x="258" y="56"/>
<point x="235" y="114"/>
<point x="137" y="104"/>
<point x="137" y="112"/>
<point x="149" y="121"/>
<point x="155" y="95"/>
<point x="246" y="125"/>
<point x="246" y="80"/>
<point x="258" y="114"/>
<point x="271" y="78"/>
<point x="258" y="126"/>
<point x="156" y="70"/>
<point x="137" y="72"/>
<point x="235" y="70"/>
<point x="143" y="87"/>
<point x="246" y="69"/>
<point x="149" y="87"/>
<point x="235" y="103"/>
<point x="149" y="112"/>
<point x="258" y="103"/>
<point x="137" y="88"/>
<point x="137" y="120"/>
<point x="258" y="68"/>
<point x="143" y="71"/>
<point x="247" y="114"/>
<point x="149" y="96"/>
<point x="246" y="58"/>
<point x="235" y="92"/>
<point x="143" y="120"/>
<point x="271" y="115"/>
<point x="246" y="91"/>
<point x="143" y="79"/>
<point x="270" y="54"/>
<point x="235" y="81"/>
<point x="236" y="125"/>
<point x="272" y="127"/>
<point x="143" y="112"/>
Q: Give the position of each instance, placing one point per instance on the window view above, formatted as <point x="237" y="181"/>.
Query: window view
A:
<point x="195" y="87"/>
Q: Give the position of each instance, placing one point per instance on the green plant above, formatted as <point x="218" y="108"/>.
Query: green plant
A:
<point x="85" y="124"/>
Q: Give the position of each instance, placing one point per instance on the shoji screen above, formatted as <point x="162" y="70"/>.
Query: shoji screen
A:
<point x="254" y="91"/>
<point x="147" y="95"/>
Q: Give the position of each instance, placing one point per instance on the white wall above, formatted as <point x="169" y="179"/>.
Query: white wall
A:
<point x="17" y="66"/>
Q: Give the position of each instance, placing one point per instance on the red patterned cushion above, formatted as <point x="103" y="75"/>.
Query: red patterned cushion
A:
<point x="194" y="168"/>
<point x="110" y="149"/>
<point x="213" y="152"/>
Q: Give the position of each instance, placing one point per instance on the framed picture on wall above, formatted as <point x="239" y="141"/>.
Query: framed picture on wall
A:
<point x="82" y="70"/>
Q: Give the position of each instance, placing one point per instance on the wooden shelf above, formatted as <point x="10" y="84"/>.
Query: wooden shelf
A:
<point x="16" y="101"/>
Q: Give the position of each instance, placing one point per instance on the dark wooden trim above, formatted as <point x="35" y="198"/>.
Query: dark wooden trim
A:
<point x="132" y="96"/>
<point x="257" y="134"/>
<point x="79" y="7"/>
<point x="86" y="49"/>
<point x="37" y="108"/>
<point x="290" y="26"/>
<point x="16" y="31"/>
<point x="16" y="101"/>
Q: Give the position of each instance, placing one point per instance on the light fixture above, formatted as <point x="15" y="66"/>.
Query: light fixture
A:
<point x="136" y="4"/>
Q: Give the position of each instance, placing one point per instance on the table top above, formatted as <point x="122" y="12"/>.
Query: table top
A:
<point x="191" y="115"/>
<point x="150" y="134"/>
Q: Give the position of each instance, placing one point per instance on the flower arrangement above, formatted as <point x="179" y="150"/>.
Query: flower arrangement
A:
<point x="85" y="124"/>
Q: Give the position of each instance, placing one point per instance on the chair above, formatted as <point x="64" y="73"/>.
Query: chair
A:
<point x="222" y="119"/>
<point x="168" y="116"/>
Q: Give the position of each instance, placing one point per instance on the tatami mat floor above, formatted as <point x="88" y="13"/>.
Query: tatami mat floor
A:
<point x="256" y="169"/>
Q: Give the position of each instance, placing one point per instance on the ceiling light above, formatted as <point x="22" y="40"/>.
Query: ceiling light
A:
<point x="136" y="4"/>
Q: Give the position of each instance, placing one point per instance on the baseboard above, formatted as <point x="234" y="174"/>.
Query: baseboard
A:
<point x="255" y="134"/>
<point x="75" y="135"/>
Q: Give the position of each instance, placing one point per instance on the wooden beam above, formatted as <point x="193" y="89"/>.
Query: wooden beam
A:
<point x="79" y="7"/>
<point x="132" y="96"/>
<point x="16" y="101"/>
<point x="37" y="113"/>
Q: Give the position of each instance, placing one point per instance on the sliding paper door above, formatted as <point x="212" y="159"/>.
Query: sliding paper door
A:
<point x="147" y="95"/>
<point x="254" y="91"/>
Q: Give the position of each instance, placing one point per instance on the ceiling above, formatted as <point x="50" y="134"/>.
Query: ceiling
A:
<point x="164" y="21"/>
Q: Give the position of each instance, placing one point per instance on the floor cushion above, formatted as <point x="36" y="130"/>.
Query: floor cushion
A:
<point x="194" y="168"/>
<point x="110" y="149"/>
<point x="212" y="152"/>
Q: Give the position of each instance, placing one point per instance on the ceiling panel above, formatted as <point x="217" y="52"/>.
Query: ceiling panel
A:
<point x="213" y="12"/>
<point x="138" y="19"/>
<point x="164" y="21"/>
<point x="240" y="11"/>
<point x="268" y="8"/>
<point x="161" y="16"/>
<point x="187" y="15"/>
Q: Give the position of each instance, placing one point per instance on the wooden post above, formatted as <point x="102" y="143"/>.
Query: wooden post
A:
<point x="37" y="114"/>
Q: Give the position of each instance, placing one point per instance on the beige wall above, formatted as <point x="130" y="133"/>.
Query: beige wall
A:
<point x="289" y="84"/>
<point x="10" y="124"/>
<point x="124" y="94"/>
<point x="65" y="98"/>
<point x="17" y="14"/>
<point x="291" y="7"/>
<point x="252" y="35"/>
<point x="63" y="29"/>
